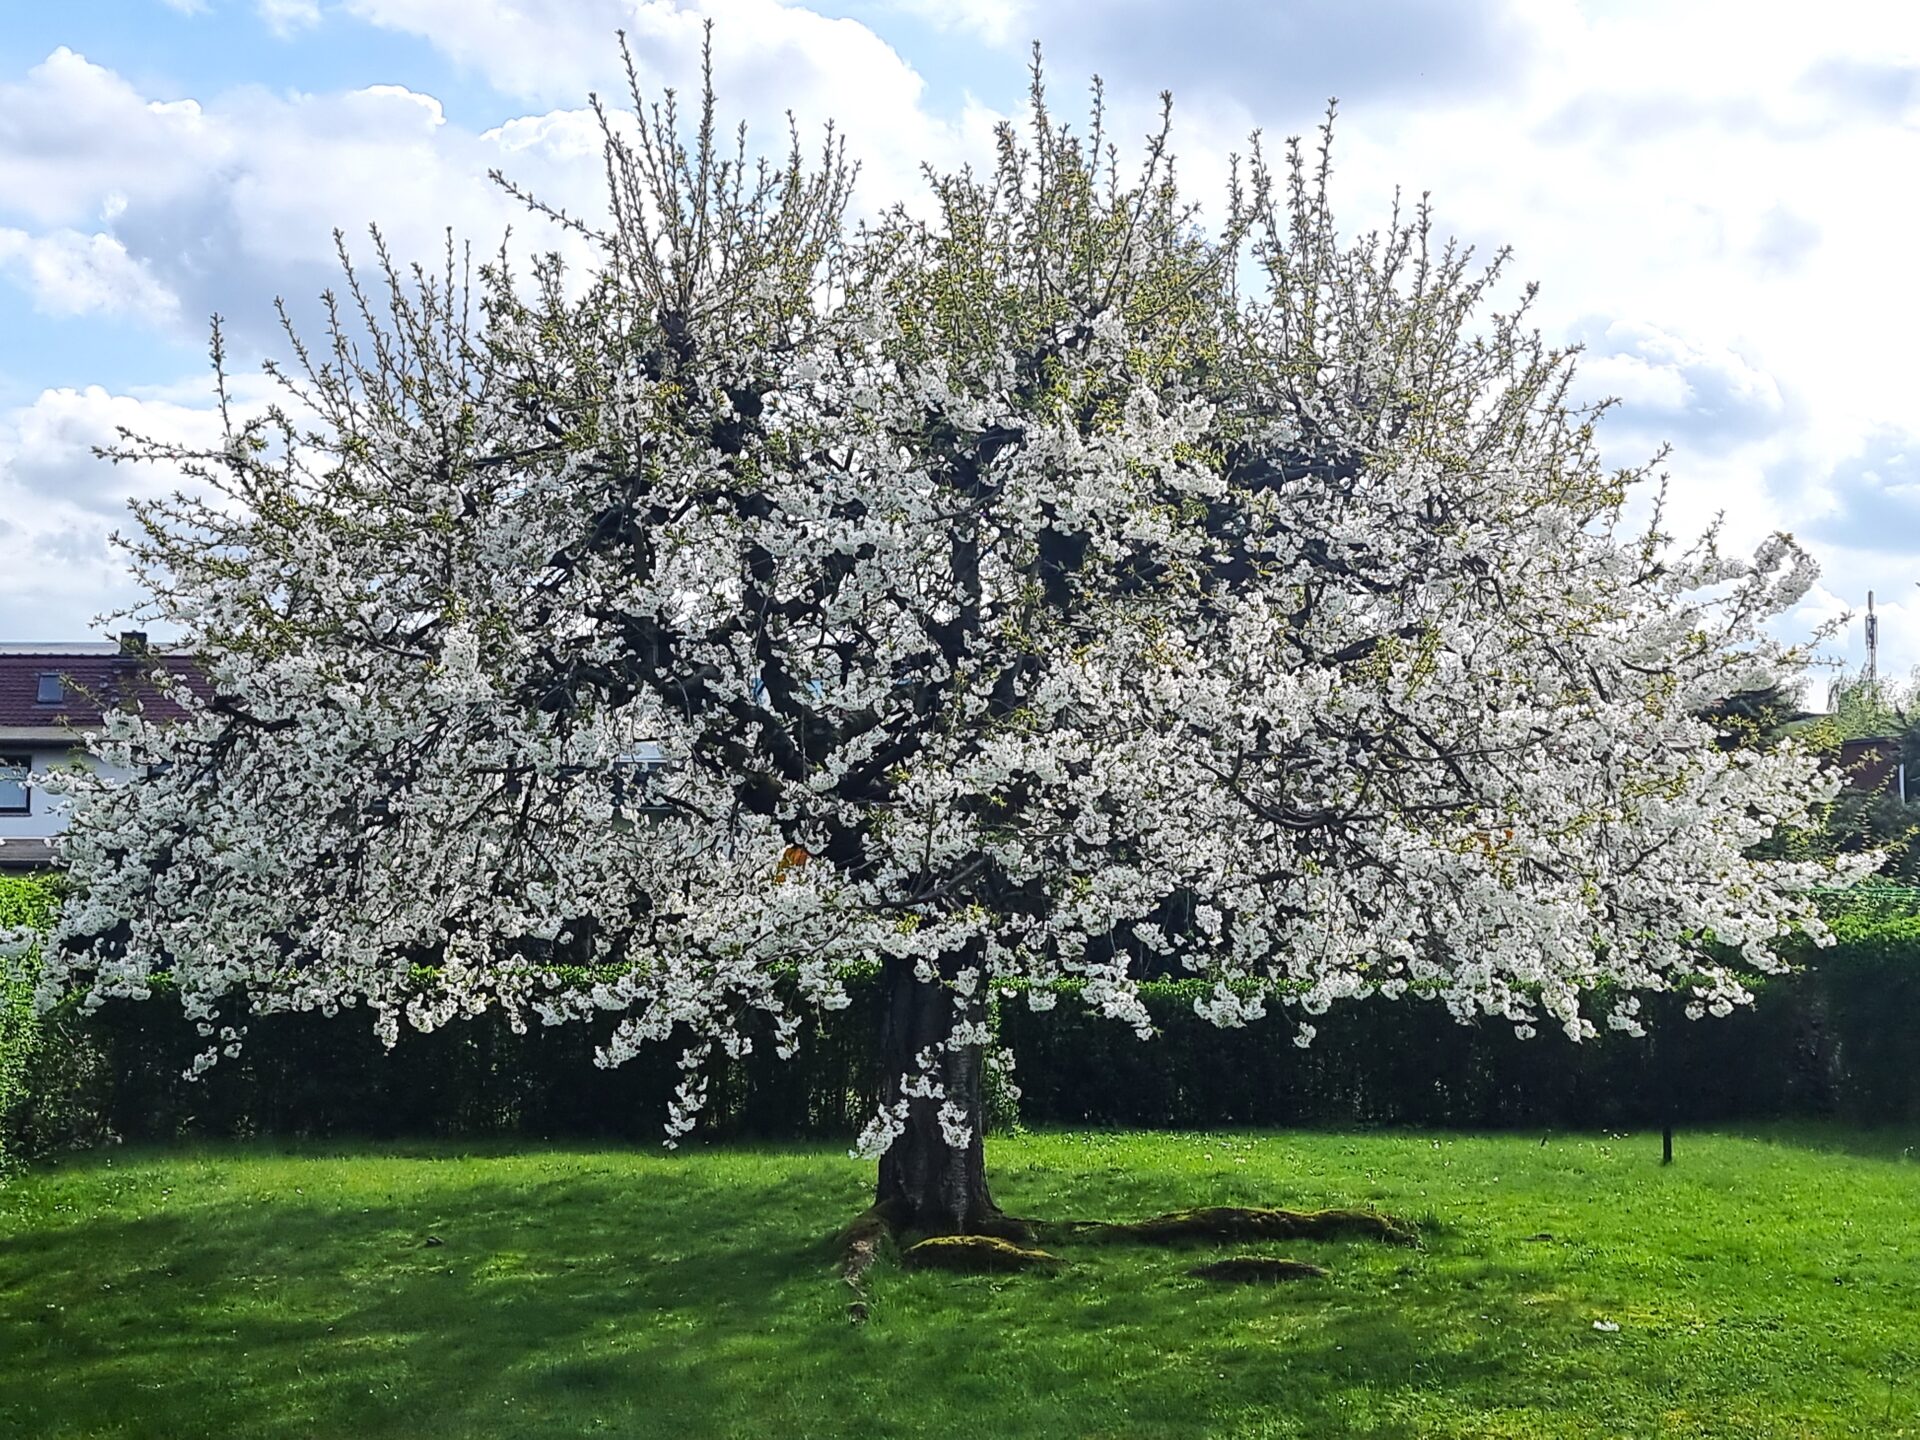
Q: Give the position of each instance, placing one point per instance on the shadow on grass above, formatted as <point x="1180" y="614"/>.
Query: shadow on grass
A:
<point x="1891" y="1142"/>
<point x="420" y="1308"/>
<point x="386" y="1295"/>
<point x="414" y="1291"/>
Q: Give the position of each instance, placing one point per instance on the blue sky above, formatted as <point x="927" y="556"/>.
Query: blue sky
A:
<point x="1717" y="199"/>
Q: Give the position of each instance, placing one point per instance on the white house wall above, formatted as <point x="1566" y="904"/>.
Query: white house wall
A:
<point x="47" y="814"/>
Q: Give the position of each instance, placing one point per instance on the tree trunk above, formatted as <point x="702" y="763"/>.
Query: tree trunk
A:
<point x="927" y="1185"/>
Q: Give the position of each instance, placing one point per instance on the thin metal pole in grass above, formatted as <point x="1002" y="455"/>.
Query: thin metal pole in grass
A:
<point x="1663" y="1078"/>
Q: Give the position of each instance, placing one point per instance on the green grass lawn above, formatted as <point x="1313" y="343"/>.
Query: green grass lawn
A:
<point x="1762" y="1287"/>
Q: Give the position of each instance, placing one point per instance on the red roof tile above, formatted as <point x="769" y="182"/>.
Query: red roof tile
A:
<point x="1871" y="764"/>
<point x="90" y="684"/>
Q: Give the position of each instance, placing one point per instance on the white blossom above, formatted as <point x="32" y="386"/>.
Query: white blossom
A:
<point x="685" y="645"/>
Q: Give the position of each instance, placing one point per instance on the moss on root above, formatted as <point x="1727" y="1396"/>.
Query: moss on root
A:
<point x="1239" y="1222"/>
<point x="1257" y="1270"/>
<point x="1008" y="1245"/>
<point x="974" y="1255"/>
<point x="1007" y="1227"/>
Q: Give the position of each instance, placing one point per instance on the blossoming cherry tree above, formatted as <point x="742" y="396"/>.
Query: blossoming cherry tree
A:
<point x="1031" y="598"/>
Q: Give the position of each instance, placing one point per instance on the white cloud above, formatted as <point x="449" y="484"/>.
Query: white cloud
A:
<point x="1869" y="498"/>
<point x="1782" y="240"/>
<point x="1637" y="382"/>
<point x="231" y="200"/>
<point x="224" y="206"/>
<point x="73" y="132"/>
<point x="997" y="22"/>
<point x="769" y="59"/>
<point x="1714" y="203"/>
<point x="68" y="273"/>
<point x="1704" y="398"/>
<point x="46" y="447"/>
<point x="555" y="56"/>
<point x="287" y="18"/>
<point x="59" y="503"/>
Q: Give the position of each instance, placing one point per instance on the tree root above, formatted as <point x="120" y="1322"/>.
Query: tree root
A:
<point x="860" y="1244"/>
<point x="1003" y="1243"/>
<point x="1006" y="1227"/>
<point x="974" y="1255"/>
<point x="1257" y="1270"/>
<point x="1239" y="1222"/>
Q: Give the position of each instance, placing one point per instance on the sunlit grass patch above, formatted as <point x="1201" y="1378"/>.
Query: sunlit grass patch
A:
<point x="1762" y="1287"/>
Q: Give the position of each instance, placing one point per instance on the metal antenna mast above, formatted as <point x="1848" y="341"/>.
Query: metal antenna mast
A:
<point x="1873" y="641"/>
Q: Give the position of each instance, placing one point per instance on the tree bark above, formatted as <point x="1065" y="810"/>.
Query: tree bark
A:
<point x="927" y="1185"/>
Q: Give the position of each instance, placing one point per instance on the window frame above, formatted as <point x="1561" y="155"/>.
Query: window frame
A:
<point x="24" y="760"/>
<point x="54" y="680"/>
<point x="632" y="779"/>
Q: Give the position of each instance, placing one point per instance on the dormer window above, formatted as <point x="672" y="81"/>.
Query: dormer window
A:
<point x="50" y="692"/>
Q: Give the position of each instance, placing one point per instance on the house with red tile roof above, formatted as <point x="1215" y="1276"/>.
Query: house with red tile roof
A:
<point x="50" y="696"/>
<point x="1873" y="765"/>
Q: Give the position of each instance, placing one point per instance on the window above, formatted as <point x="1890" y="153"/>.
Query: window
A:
<point x="632" y="776"/>
<point x="16" y="796"/>
<point x="50" y="692"/>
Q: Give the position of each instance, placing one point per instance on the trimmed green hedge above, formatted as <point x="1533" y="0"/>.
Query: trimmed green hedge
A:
<point x="25" y="902"/>
<point x="1834" y="1039"/>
